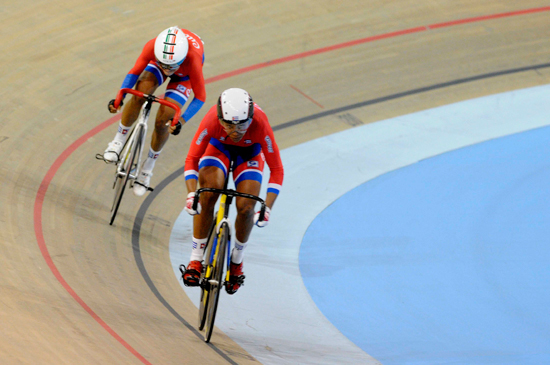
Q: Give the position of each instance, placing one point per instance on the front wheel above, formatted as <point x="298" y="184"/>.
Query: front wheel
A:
<point x="129" y="162"/>
<point x="205" y="289"/>
<point x="216" y="282"/>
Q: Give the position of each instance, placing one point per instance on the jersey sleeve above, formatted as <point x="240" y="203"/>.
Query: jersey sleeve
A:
<point x="192" y="109"/>
<point x="198" y="145"/>
<point x="196" y="51"/>
<point x="273" y="159"/>
<point x="197" y="84"/>
<point x="147" y="54"/>
<point x="197" y="80"/>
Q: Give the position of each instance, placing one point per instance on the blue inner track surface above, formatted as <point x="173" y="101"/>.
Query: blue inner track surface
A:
<point x="446" y="261"/>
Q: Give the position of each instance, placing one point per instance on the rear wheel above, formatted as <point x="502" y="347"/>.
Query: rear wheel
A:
<point x="129" y="161"/>
<point x="217" y="283"/>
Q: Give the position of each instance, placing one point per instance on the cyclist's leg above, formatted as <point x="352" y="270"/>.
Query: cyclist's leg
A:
<point x="177" y="92"/>
<point x="248" y="179"/>
<point x="212" y="177"/>
<point x="161" y="132"/>
<point x="245" y="209"/>
<point x="147" y="83"/>
<point x="213" y="168"/>
<point x="243" y="226"/>
<point x="156" y="78"/>
<point x="209" y="177"/>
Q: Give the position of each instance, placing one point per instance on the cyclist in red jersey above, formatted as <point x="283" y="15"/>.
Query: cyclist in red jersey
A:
<point x="175" y="54"/>
<point x="235" y="129"/>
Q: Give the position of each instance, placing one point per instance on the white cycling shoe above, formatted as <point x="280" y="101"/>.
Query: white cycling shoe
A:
<point x="141" y="185"/>
<point x="112" y="152"/>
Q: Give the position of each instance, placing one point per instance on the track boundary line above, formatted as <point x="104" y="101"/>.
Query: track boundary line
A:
<point x="45" y="183"/>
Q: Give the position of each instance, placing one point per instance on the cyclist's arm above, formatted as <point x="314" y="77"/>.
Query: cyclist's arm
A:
<point x="147" y="54"/>
<point x="191" y="172"/>
<point x="191" y="185"/>
<point x="192" y="109"/>
<point x="196" y="149"/>
<point x="270" y="199"/>
<point x="199" y="91"/>
<point x="275" y="182"/>
<point x="273" y="159"/>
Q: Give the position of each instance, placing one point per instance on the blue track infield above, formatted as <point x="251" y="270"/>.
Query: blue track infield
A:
<point x="446" y="261"/>
<point x="442" y="252"/>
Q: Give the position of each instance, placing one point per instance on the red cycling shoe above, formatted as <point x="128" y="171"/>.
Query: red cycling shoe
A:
<point x="236" y="278"/>
<point x="192" y="273"/>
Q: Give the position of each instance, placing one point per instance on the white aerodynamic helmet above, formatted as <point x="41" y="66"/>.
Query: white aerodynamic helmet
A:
<point x="171" y="48"/>
<point x="235" y="106"/>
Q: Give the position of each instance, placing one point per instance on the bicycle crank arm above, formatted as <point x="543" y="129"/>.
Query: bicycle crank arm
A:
<point x="213" y="282"/>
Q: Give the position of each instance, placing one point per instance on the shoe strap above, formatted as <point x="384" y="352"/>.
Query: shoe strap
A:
<point x="145" y="186"/>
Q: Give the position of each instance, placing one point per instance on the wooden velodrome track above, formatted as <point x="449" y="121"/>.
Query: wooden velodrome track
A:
<point x="71" y="289"/>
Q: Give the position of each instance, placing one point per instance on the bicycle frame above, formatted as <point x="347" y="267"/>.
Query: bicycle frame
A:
<point x="128" y="168"/>
<point x="138" y="131"/>
<point x="226" y="198"/>
<point x="219" y="236"/>
<point x="142" y="122"/>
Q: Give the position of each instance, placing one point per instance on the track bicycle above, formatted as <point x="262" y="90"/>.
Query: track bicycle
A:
<point x="129" y="163"/>
<point x="217" y="254"/>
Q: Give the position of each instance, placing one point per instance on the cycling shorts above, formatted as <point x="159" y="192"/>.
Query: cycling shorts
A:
<point x="178" y="89"/>
<point x="248" y="162"/>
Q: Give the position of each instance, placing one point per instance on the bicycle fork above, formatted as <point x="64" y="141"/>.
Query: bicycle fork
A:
<point x="220" y="219"/>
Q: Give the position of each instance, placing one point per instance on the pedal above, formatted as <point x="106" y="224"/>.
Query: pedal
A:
<point x="99" y="156"/>
<point x="237" y="279"/>
<point x="192" y="283"/>
<point x="137" y="182"/>
<point x="204" y="284"/>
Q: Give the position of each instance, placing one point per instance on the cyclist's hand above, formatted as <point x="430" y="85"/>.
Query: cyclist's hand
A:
<point x="189" y="204"/>
<point x="175" y="130"/>
<point x="263" y="223"/>
<point x="111" y="106"/>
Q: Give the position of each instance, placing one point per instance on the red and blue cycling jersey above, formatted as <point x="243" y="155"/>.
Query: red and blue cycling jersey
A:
<point x="211" y="146"/>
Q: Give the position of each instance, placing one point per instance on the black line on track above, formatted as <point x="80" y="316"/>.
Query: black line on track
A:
<point x="139" y="260"/>
<point x="164" y="183"/>
<point x="407" y="93"/>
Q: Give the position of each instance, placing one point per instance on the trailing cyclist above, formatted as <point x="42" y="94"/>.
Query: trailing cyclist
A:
<point x="234" y="129"/>
<point x="176" y="54"/>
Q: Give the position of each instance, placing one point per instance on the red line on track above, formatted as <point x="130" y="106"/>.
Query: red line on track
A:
<point x="39" y="202"/>
<point x="306" y="96"/>
<point x="488" y="17"/>
<point x="41" y="194"/>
